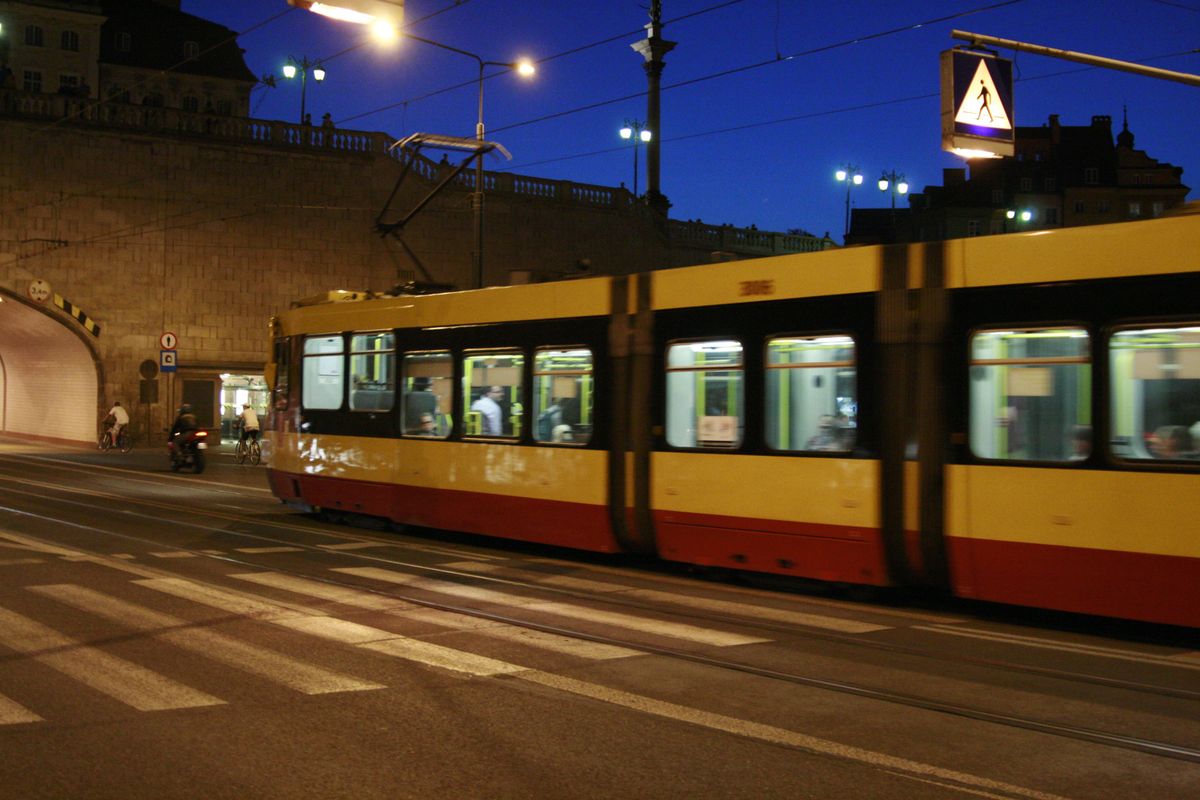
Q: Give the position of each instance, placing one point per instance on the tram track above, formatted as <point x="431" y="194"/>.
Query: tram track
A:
<point x="1076" y="732"/>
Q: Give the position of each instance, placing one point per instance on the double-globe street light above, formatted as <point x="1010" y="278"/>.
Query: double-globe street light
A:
<point x="895" y="181"/>
<point x="635" y="131"/>
<point x="849" y="175"/>
<point x="303" y="67"/>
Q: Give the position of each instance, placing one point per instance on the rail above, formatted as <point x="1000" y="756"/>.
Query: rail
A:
<point x="60" y="109"/>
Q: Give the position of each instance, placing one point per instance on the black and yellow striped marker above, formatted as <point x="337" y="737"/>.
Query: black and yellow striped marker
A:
<point x="84" y="320"/>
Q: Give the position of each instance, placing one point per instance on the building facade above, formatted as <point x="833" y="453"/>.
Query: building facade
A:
<point x="1059" y="176"/>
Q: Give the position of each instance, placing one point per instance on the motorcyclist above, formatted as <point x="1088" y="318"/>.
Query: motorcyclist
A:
<point x="185" y="421"/>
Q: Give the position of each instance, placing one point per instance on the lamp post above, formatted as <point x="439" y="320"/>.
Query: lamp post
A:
<point x="895" y="181"/>
<point x="849" y="175"/>
<point x="524" y="68"/>
<point x="635" y="131"/>
<point x="303" y="66"/>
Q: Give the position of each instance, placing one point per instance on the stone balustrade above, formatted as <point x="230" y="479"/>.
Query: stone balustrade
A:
<point x="58" y="108"/>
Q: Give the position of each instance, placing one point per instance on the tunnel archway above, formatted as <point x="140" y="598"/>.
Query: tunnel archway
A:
<point x="49" y="375"/>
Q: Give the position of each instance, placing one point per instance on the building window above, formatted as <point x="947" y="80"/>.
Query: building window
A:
<point x="1026" y="184"/>
<point x="1080" y="207"/>
<point x="33" y="81"/>
<point x="191" y="50"/>
<point x="1091" y="176"/>
<point x="562" y="395"/>
<point x="997" y="226"/>
<point x="1031" y="394"/>
<point x="1105" y="207"/>
<point x="191" y="103"/>
<point x="973" y="227"/>
<point x="1051" y="184"/>
<point x="224" y="108"/>
<point x="372" y="371"/>
<point x="118" y="93"/>
<point x="812" y="394"/>
<point x="704" y="394"/>
<point x="1135" y="209"/>
<point x="1156" y="210"/>
<point x="70" y="41"/>
<point x="33" y="35"/>
<point x="124" y="42"/>
<point x="68" y="84"/>
<point x="1051" y="216"/>
<point x="997" y="197"/>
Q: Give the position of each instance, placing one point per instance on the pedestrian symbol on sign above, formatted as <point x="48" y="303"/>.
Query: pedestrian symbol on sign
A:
<point x="168" y="340"/>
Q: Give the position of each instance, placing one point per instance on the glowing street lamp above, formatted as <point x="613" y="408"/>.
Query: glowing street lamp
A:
<point x="849" y="175"/>
<point x="896" y="181"/>
<point x="304" y="67"/>
<point x="635" y="132"/>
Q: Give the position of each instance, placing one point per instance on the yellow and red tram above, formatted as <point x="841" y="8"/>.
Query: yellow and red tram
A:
<point x="1008" y="418"/>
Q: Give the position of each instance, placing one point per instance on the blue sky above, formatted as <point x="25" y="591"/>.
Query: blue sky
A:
<point x="757" y="145"/>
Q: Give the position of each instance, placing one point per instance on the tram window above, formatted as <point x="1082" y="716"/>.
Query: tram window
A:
<point x="493" y="388"/>
<point x="562" y="395"/>
<point x="427" y="379"/>
<point x="1156" y="392"/>
<point x="372" y="371"/>
<point x="704" y="394"/>
<point x="323" y="375"/>
<point x="283" y="366"/>
<point x="1031" y="394"/>
<point x="812" y="395"/>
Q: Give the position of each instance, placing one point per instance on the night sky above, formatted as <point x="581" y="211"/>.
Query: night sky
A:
<point x="762" y="100"/>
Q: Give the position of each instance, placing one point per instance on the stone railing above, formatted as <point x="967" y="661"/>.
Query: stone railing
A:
<point x="59" y="109"/>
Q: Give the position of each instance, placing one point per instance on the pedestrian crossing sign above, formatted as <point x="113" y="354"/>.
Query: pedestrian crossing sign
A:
<point x="977" y="109"/>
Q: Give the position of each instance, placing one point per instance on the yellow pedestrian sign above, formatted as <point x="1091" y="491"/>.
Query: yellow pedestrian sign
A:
<point x="977" y="104"/>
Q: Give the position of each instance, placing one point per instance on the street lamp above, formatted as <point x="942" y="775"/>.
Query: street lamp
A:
<point x="303" y="66"/>
<point x="635" y="131"/>
<point x="849" y="175"/>
<point x="896" y="181"/>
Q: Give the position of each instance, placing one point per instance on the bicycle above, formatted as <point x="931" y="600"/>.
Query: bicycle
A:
<point x="248" y="449"/>
<point x="124" y="441"/>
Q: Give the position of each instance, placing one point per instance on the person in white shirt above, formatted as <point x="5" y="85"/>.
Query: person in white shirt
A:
<point x="488" y="405"/>
<point x="249" y="420"/>
<point x="119" y="417"/>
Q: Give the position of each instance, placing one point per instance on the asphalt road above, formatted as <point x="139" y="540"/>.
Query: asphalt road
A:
<point x="179" y="636"/>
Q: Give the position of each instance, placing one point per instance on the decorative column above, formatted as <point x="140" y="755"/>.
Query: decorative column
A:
<point x="652" y="49"/>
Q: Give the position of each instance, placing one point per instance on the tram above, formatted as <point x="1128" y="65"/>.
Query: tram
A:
<point x="1006" y="418"/>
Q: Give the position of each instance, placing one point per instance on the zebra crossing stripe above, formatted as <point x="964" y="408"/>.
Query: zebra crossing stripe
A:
<point x="121" y="680"/>
<point x="674" y="630"/>
<point x="87" y="322"/>
<point x="445" y="619"/>
<point x="12" y="713"/>
<point x="290" y="672"/>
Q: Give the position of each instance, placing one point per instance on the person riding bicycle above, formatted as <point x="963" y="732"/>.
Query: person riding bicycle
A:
<point x="185" y="421"/>
<point x="248" y="420"/>
<point x="116" y="419"/>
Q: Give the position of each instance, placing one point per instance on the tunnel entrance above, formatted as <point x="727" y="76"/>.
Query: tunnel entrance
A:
<point x="48" y="375"/>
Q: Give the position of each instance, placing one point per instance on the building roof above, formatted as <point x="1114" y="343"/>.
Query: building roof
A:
<point x="158" y="34"/>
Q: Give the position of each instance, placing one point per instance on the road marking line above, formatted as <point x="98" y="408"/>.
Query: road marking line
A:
<point x="839" y="624"/>
<point x="290" y="672"/>
<point x="338" y="630"/>
<point x="174" y="554"/>
<point x="259" y="550"/>
<point x="673" y="630"/>
<point x="122" y="680"/>
<point x="449" y="619"/>
<point x="12" y="713"/>
<point x="13" y="562"/>
<point x="354" y="545"/>
<point x="1067" y="647"/>
<point x="769" y="733"/>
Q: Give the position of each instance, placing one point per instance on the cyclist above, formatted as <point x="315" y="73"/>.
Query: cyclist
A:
<point x="249" y="423"/>
<point x="119" y="417"/>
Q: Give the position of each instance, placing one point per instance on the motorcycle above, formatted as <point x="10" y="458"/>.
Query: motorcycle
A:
<point x="187" y="450"/>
